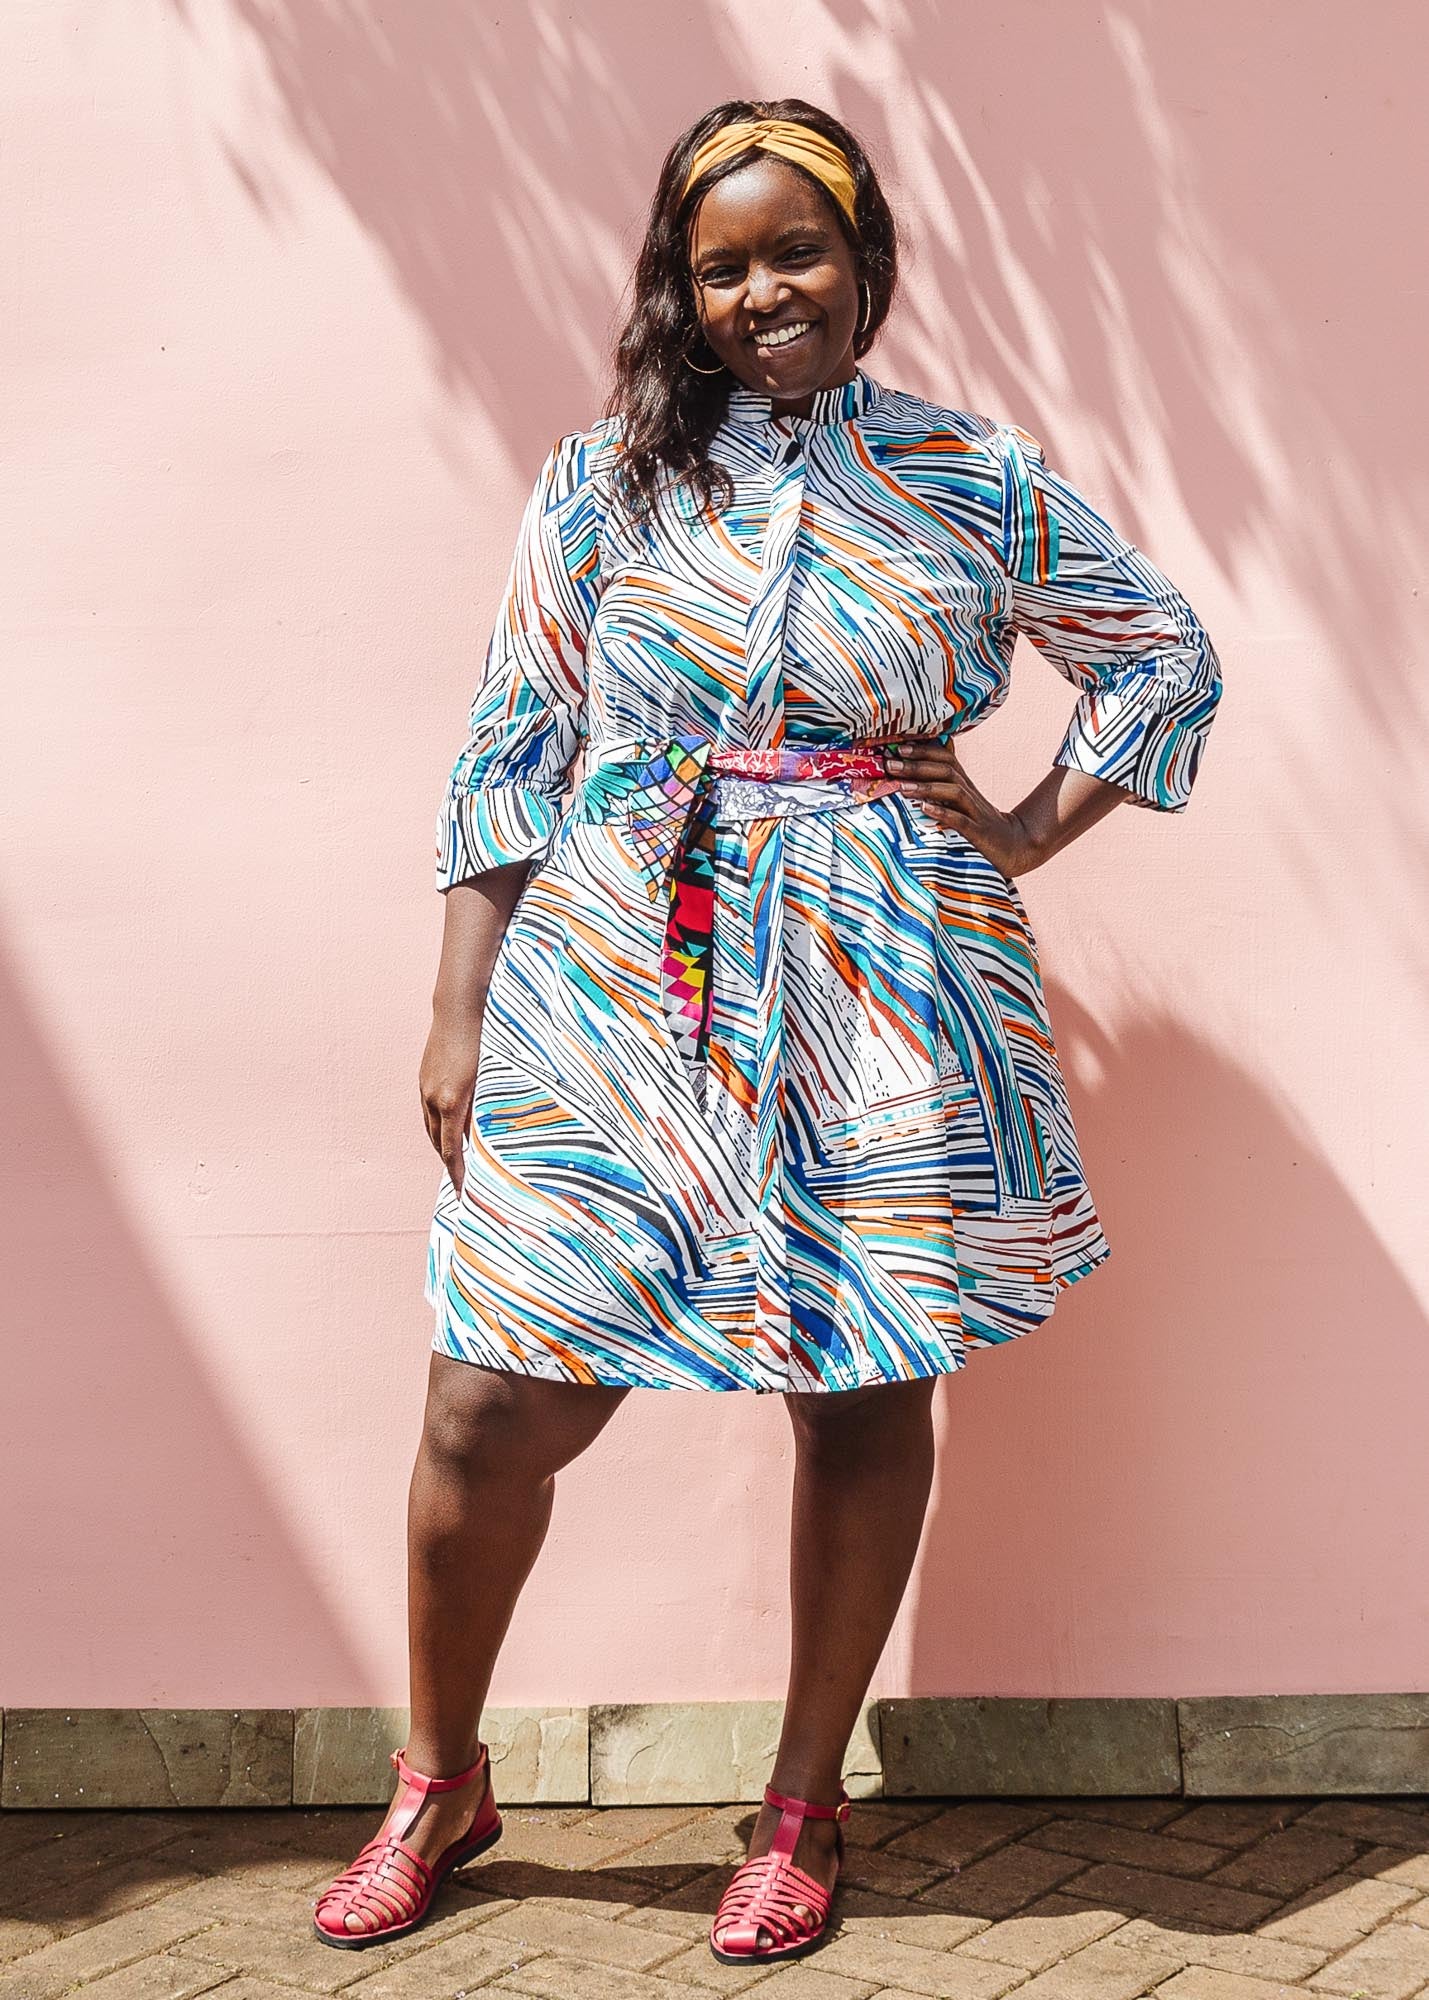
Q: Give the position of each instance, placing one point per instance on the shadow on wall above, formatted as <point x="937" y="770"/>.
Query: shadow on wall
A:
<point x="1245" y="1289"/>
<point x="1180" y="228"/>
<point x="89" y="1412"/>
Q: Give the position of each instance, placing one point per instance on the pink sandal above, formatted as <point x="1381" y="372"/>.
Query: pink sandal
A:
<point x="764" y="1893"/>
<point x="389" y="1885"/>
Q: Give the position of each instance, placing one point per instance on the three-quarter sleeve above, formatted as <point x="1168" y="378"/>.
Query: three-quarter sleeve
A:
<point x="1147" y="675"/>
<point x="504" y="796"/>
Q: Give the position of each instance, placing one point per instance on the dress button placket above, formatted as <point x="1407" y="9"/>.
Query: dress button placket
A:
<point x="764" y="728"/>
<point x="763" y="718"/>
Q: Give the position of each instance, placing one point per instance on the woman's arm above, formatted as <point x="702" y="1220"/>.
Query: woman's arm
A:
<point x="1115" y="626"/>
<point x="1119" y="630"/>
<point x="505" y="794"/>
<point x="477" y="913"/>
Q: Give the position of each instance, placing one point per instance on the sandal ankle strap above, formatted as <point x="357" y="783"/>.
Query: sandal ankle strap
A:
<point x="793" y="1813"/>
<point x="424" y="1784"/>
<point x="418" y="1785"/>
<point x="806" y="1809"/>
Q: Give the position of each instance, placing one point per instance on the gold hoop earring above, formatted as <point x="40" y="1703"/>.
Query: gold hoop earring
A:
<point x="694" y="370"/>
<point x="867" y="314"/>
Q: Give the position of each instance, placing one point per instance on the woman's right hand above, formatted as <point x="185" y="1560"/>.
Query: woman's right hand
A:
<point x="447" y="1082"/>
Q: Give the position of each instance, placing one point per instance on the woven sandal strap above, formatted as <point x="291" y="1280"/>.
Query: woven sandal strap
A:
<point x="742" y="1934"/>
<point x="382" y="1862"/>
<point x="770" y="1876"/>
<point x="388" y="1903"/>
<point x="768" y="1894"/>
<point x="371" y="1857"/>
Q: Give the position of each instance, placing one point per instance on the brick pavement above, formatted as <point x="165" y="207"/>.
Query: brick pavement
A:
<point x="973" y="1899"/>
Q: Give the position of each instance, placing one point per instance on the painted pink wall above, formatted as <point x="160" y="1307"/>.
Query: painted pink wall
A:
<point x="295" y="298"/>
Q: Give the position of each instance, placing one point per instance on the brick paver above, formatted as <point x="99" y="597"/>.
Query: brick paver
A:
<point x="1101" y="1971"/>
<point x="1339" y="1912"/>
<point x="1197" y="1982"/>
<point x="1390" y="1965"/>
<point x="1052" y="1928"/>
<point x="957" y="1899"/>
<point x="1094" y="1842"/>
<point x="1281" y="1864"/>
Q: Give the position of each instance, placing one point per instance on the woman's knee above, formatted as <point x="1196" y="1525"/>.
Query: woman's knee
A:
<point x="490" y="1423"/>
<point x="853" y="1423"/>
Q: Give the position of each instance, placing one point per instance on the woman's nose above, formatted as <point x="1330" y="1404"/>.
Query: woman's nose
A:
<point x="762" y="292"/>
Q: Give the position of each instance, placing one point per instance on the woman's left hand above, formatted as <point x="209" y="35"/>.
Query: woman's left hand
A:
<point x="932" y="774"/>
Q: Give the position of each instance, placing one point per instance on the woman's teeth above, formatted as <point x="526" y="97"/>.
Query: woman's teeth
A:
<point x="782" y="335"/>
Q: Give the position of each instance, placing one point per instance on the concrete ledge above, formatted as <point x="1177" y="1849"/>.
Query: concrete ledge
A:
<point x="983" y="1746"/>
<point x="59" y="1757"/>
<point x="685" y="1753"/>
<point x="1331" y="1743"/>
<point x="341" y="1756"/>
<point x="705" y="1753"/>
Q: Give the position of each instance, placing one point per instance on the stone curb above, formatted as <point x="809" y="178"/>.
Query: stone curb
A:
<point x="719" y="1753"/>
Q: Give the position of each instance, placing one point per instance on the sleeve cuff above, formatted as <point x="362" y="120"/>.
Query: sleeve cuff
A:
<point x="492" y="826"/>
<point x="1125" y="736"/>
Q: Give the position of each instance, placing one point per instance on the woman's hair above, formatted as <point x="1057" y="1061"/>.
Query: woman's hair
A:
<point x="669" y="412"/>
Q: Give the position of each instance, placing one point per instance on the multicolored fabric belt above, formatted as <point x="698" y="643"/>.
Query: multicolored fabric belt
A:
<point x="673" y="796"/>
<point x="747" y="784"/>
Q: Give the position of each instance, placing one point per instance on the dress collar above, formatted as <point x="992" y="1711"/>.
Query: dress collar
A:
<point x="837" y="404"/>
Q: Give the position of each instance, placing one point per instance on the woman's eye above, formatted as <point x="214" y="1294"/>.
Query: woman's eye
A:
<point x="727" y="274"/>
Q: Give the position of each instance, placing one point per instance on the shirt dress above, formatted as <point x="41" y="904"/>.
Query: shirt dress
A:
<point x="768" y="1096"/>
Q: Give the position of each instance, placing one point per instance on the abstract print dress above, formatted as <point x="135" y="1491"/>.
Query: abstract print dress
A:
<point x="768" y="1097"/>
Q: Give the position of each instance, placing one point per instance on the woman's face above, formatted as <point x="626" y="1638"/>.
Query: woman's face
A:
<point x="767" y="257"/>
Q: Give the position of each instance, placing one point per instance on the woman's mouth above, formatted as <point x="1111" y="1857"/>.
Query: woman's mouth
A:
<point x="777" y="339"/>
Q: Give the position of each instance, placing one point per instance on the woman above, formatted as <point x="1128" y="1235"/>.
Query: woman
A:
<point x="768" y="1098"/>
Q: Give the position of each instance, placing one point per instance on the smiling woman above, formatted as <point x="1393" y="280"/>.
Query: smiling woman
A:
<point x="741" y="1069"/>
<point x="801" y="276"/>
<point x="777" y="280"/>
<point x="760" y="221"/>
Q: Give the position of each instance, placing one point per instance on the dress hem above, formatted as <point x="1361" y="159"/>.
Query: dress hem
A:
<point x="597" y="1380"/>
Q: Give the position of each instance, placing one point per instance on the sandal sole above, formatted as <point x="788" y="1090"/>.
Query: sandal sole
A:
<point x="770" y="1957"/>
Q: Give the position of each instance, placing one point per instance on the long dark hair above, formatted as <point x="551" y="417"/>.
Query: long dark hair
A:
<point x="669" y="413"/>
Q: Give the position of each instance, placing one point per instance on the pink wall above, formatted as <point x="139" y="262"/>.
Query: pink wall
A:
<point x="295" y="297"/>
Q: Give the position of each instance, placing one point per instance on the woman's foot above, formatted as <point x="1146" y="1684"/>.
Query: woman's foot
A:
<point x="815" y="1851"/>
<point x="442" y="1819"/>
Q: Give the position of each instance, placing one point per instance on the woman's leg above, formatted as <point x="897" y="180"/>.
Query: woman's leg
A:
<point x="863" y="1470"/>
<point x="478" y="1510"/>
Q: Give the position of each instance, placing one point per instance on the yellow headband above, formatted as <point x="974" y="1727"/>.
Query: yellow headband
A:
<point x="799" y="143"/>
